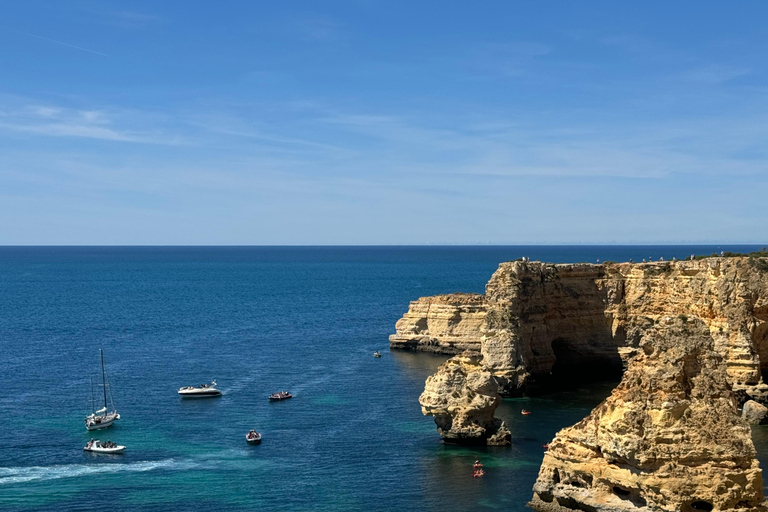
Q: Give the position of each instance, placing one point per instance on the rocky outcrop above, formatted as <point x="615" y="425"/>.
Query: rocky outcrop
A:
<point x="540" y="323"/>
<point x="755" y="413"/>
<point x="669" y="438"/>
<point x="447" y="324"/>
<point x="462" y="396"/>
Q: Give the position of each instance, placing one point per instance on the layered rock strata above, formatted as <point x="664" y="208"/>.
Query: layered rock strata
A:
<point x="669" y="438"/>
<point x="446" y="324"/>
<point x="538" y="322"/>
<point x="462" y="396"/>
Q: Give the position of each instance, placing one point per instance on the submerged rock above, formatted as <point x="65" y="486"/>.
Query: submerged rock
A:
<point x="463" y="396"/>
<point x="669" y="438"/>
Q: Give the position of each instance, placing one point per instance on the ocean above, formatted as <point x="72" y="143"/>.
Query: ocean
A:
<point x="258" y="320"/>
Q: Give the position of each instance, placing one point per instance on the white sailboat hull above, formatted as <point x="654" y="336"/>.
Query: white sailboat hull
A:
<point x="98" y="422"/>
<point x="102" y="418"/>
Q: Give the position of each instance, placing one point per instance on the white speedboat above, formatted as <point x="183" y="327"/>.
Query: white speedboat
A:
<point x="96" y="446"/>
<point x="253" y="437"/>
<point x="104" y="417"/>
<point x="201" y="391"/>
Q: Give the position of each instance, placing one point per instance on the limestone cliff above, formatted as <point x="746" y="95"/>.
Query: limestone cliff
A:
<point x="538" y="322"/>
<point x="669" y="438"/>
<point x="447" y="324"/>
<point x="462" y="396"/>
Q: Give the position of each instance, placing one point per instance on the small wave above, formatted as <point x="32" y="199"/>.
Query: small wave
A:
<point x="42" y="473"/>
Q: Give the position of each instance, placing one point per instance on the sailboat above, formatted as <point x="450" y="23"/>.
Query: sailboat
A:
<point x="102" y="418"/>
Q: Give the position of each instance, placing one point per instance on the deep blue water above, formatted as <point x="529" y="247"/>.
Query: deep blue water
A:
<point x="257" y="319"/>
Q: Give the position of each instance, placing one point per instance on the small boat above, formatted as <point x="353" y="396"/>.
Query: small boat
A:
<point x="525" y="412"/>
<point x="477" y="464"/>
<point x="377" y="354"/>
<point x="104" y="417"/>
<point x="280" y="395"/>
<point x="478" y="473"/>
<point x="253" y="437"/>
<point x="545" y="446"/>
<point x="96" y="446"/>
<point x="201" y="391"/>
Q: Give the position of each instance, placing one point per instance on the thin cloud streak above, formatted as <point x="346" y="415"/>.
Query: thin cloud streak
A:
<point x="62" y="43"/>
<point x="23" y="116"/>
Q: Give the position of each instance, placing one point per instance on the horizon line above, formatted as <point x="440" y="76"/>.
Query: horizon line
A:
<point x="590" y="244"/>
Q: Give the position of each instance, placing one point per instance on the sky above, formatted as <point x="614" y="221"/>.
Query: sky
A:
<point x="248" y="122"/>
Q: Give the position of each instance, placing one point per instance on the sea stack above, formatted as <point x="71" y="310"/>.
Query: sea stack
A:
<point x="669" y="438"/>
<point x="463" y="396"/>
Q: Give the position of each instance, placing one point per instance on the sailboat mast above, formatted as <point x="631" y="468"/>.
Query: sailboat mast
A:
<point x="103" y="379"/>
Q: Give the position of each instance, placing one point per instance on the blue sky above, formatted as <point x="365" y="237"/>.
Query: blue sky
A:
<point x="383" y="122"/>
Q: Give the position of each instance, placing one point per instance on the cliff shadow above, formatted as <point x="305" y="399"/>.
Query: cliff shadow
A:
<point x="570" y="336"/>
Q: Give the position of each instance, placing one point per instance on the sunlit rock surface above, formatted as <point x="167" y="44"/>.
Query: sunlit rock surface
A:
<point x="462" y="396"/>
<point x="541" y="324"/>
<point x="669" y="438"/>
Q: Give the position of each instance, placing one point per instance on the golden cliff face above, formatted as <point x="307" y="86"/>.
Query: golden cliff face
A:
<point x="669" y="438"/>
<point x="540" y="322"/>
<point x="447" y="324"/>
<point x="462" y="397"/>
<point x="730" y="295"/>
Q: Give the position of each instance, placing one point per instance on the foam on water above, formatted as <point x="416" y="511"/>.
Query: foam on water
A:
<point x="16" y="475"/>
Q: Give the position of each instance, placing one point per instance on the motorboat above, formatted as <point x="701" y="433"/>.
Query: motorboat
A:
<point x="253" y="437"/>
<point x="105" y="416"/>
<point x="280" y="395"/>
<point x="525" y="412"/>
<point x="96" y="446"/>
<point x="201" y="391"/>
<point x="377" y="354"/>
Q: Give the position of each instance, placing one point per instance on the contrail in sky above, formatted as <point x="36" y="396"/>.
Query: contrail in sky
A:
<point x="63" y="44"/>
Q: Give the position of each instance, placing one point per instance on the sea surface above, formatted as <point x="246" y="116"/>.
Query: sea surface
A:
<point x="258" y="320"/>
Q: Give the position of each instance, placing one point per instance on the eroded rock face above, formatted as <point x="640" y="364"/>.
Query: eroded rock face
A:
<point x="462" y="396"/>
<point x="447" y="324"/>
<point x="755" y="413"/>
<point x="539" y="323"/>
<point x="668" y="438"/>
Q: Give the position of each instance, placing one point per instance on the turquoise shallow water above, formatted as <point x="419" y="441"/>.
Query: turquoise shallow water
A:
<point x="258" y="320"/>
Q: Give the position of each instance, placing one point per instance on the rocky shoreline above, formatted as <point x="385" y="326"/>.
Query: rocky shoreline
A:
<point x="691" y="338"/>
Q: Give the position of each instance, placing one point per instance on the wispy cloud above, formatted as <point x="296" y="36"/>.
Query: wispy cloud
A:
<point x="318" y="28"/>
<point x="508" y="59"/>
<point x="714" y="73"/>
<point x="114" y="14"/>
<point x="132" y="19"/>
<point x="22" y="116"/>
<point x="62" y="43"/>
